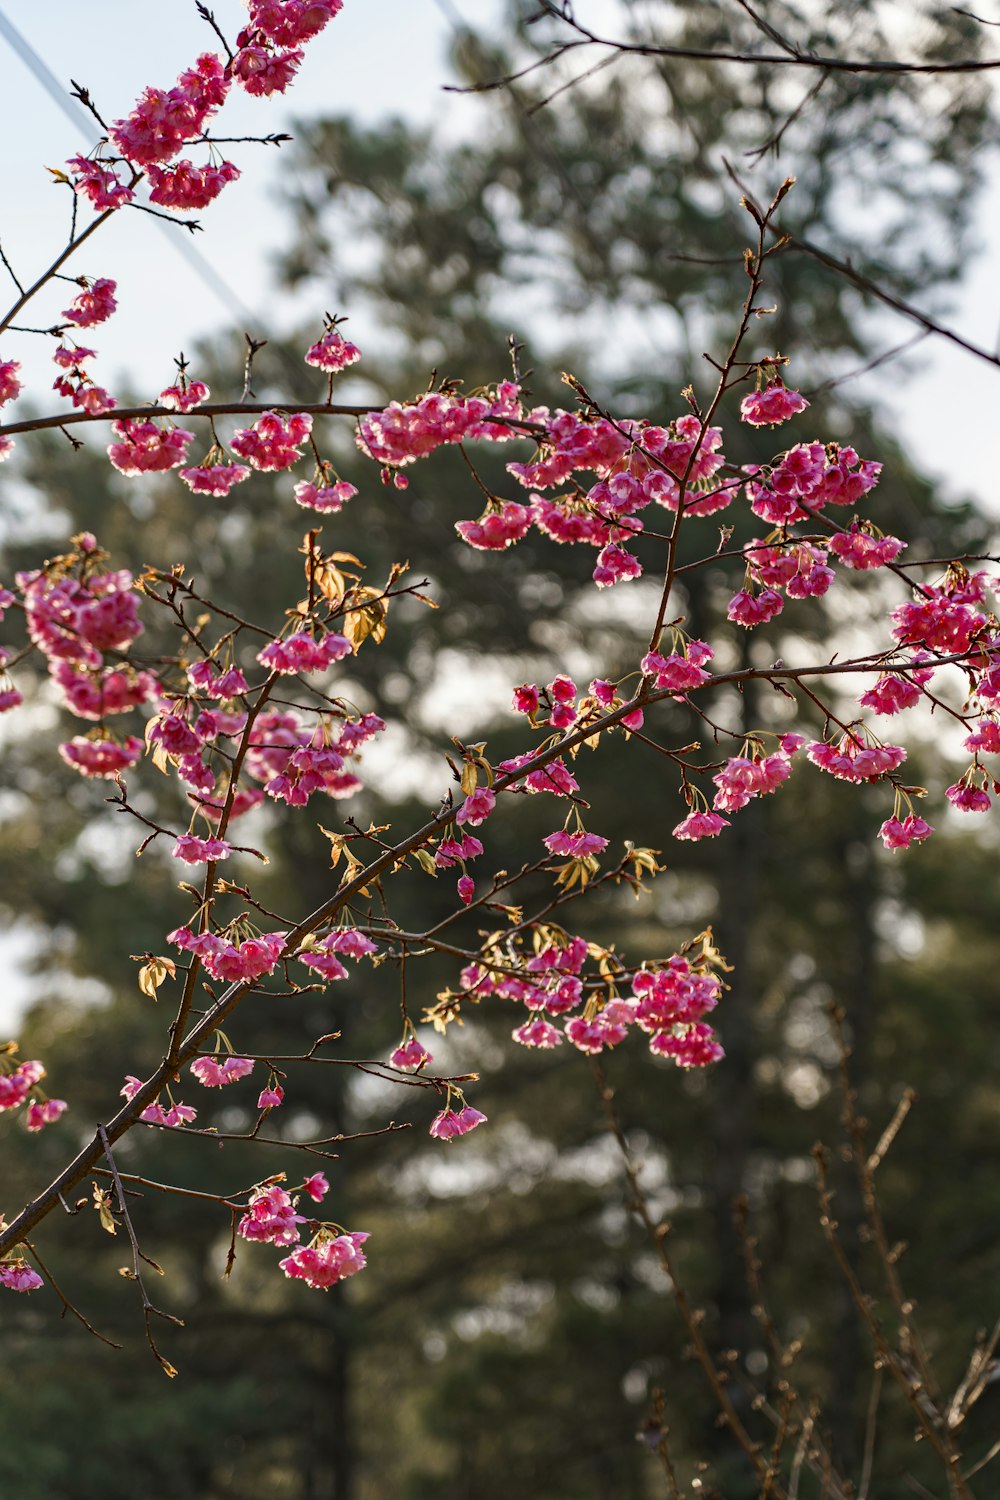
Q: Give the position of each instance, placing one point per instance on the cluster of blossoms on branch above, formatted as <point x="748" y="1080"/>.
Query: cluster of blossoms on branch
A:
<point x="237" y="724"/>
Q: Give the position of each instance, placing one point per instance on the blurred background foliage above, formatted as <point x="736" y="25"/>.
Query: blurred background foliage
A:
<point x="513" y="1322"/>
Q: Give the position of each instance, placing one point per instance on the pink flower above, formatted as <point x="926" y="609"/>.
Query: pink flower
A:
<point x="215" y="1074"/>
<point x="694" y="1047"/>
<point x="451" y="851"/>
<point x="859" y="549"/>
<point x="754" y="609"/>
<point x="148" y="448"/>
<point x="270" y="1217"/>
<point x="700" y="825"/>
<point x="496" y="530"/>
<point x="316" y="1186"/>
<point x="774" y="404"/>
<point x="184" y="186"/>
<point x="69" y="359"/>
<point x="326" y="498"/>
<point x="272" y="442"/>
<point x="195" y="851"/>
<point x="10" y="385"/>
<point x="333" y="353"/>
<point x="205" y="676"/>
<point x="17" y="1276"/>
<point x="99" y="181"/>
<point x="466" y="889"/>
<point x="538" y="1033"/>
<point x="262" y="71"/>
<point x="163" y="119"/>
<point x="615" y="565"/>
<point x="185" y="395"/>
<point x="302" y="653"/>
<point x="101" y="758"/>
<point x="324" y="1264"/>
<point x="289" y="22"/>
<point x="676" y="674"/>
<point x="477" y="807"/>
<point x="214" y="479"/>
<point x="270" y="1098"/>
<point x="94" y="305"/>
<point x="450" y="1123"/>
<point x="42" y="1113"/>
<point x="577" y="845"/>
<point x="968" y="798"/>
<point x="526" y="699"/>
<point x="890" y="695"/>
<point x="410" y="1056"/>
<point x="900" y="835"/>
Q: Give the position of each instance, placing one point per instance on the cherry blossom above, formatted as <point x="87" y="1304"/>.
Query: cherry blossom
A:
<point x="772" y="405"/>
<point x="327" y="1261"/>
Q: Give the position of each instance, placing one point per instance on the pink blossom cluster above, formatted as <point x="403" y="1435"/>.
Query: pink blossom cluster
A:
<point x="76" y="616"/>
<point x="324" y="497"/>
<point x="94" y="305"/>
<point x="945" y="617"/>
<point x="215" y="1073"/>
<point x="17" y="1276"/>
<point x="798" y="567"/>
<point x="500" y="525"/>
<point x="861" y="547"/>
<point x="294" y="760"/>
<point x="668" y="1003"/>
<point x="747" y="776"/>
<point x="273" y="442"/>
<point x="11" y="384"/>
<point x="269" y="52"/>
<point x="303" y="652"/>
<point x="99" y="181"/>
<point x="16" y="1085"/>
<point x="451" y="1123"/>
<point x="401" y="434"/>
<point x="106" y="690"/>
<point x="196" y="851"/>
<point x="270" y="1217"/>
<point x="772" y="405"/>
<point x="555" y="776"/>
<point x="164" y="119"/>
<point x="148" y="447"/>
<point x="84" y="393"/>
<point x="894" y="692"/>
<point x="579" y="845"/>
<point x="228" y="961"/>
<point x="184" y="395"/>
<point x="681" y="671"/>
<point x="327" y="1260"/>
<point x="323" y="955"/>
<point x="214" y="478"/>
<point x="332" y="352"/>
<point x="184" y="186"/>
<point x="452" y="851"/>
<point x="807" y="478"/>
<point x="173" y="1116"/>
<point x="556" y="706"/>
<point x="970" y="794"/>
<point x="856" y="756"/>
<point x="205" y="677"/>
<point x="410" y="1056"/>
<point x="898" y="833"/>
<point x="637" y="465"/>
